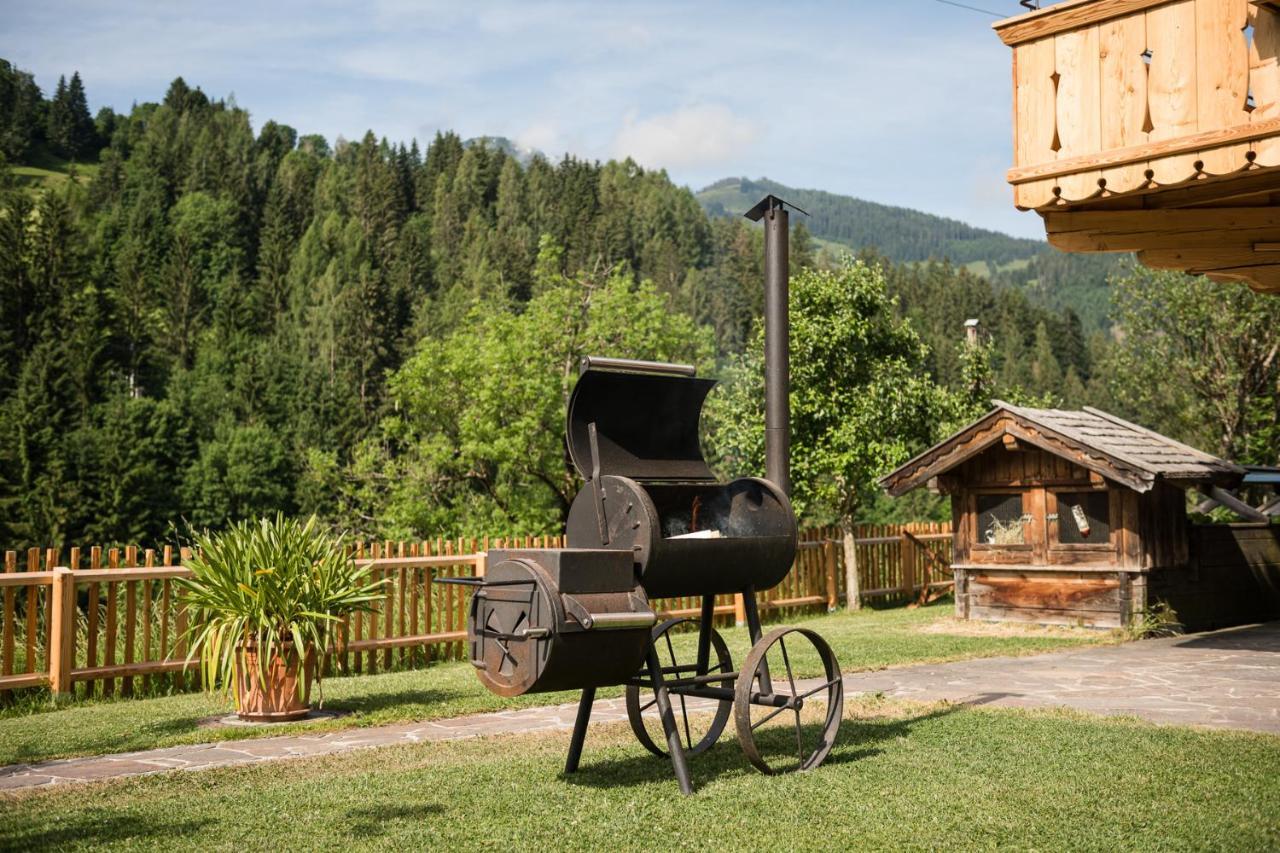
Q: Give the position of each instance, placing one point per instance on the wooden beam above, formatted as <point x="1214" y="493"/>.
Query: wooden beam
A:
<point x="1135" y="241"/>
<point x="1165" y="220"/>
<point x="123" y="670"/>
<point x="1172" y="147"/>
<point x="26" y="679"/>
<point x="26" y="579"/>
<point x="1010" y="442"/>
<point x="1200" y="260"/>
<point x="1211" y="189"/>
<point x="1064" y="16"/>
<point x="133" y="573"/>
<point x="1236" y="505"/>
<point x="1262" y="278"/>
<point x="62" y="631"/>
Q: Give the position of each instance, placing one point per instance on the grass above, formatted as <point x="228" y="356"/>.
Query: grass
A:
<point x="984" y="269"/>
<point x="36" y="729"/>
<point x="902" y="775"/>
<point x="45" y="170"/>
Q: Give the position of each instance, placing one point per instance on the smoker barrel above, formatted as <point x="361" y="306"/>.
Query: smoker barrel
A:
<point x="558" y="619"/>
<point x="633" y="435"/>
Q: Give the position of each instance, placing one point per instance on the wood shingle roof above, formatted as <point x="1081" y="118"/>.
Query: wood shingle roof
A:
<point x="1125" y="452"/>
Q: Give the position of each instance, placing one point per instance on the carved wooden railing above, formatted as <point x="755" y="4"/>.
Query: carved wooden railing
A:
<point x="1124" y="96"/>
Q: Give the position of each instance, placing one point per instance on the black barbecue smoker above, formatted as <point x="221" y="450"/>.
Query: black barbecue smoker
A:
<point x="652" y="521"/>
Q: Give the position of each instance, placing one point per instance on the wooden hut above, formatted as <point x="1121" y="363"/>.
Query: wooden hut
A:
<point x="1079" y="517"/>
<point x="1152" y="126"/>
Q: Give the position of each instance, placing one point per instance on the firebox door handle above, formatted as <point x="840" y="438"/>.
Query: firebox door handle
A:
<point x="620" y="621"/>
<point x="522" y="634"/>
<point x="607" y="621"/>
<point x="601" y="523"/>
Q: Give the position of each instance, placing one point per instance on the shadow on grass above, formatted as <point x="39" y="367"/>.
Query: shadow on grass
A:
<point x="102" y="826"/>
<point x="372" y="820"/>
<point x="855" y="741"/>
<point x="112" y="742"/>
<point x="370" y="703"/>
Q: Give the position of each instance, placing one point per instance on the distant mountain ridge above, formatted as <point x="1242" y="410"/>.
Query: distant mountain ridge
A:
<point x="901" y="233"/>
<point x="1049" y="277"/>
<point x="522" y="153"/>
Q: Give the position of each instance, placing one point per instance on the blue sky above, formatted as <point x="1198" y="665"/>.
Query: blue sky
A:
<point x="899" y="101"/>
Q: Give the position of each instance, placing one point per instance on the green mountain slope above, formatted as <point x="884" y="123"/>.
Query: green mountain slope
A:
<point x="1049" y="277"/>
<point x="899" y="233"/>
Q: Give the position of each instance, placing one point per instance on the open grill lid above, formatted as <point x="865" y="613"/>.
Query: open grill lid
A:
<point x="646" y="420"/>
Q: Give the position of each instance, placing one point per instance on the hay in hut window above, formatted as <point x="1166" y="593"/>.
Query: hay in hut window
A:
<point x="1001" y="520"/>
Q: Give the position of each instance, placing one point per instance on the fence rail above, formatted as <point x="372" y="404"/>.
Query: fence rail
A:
<point x="110" y="621"/>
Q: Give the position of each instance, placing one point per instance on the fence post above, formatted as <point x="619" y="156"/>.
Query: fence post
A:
<point x="739" y="610"/>
<point x="62" y="631"/>
<point x="907" y="559"/>
<point x="852" y="582"/>
<point x="829" y="561"/>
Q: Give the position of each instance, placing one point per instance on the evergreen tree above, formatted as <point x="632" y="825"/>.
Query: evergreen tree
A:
<point x="22" y="122"/>
<point x="58" y="120"/>
<point x="81" y="133"/>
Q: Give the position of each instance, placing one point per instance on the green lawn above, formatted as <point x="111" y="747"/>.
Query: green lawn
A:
<point x="902" y="775"/>
<point x="45" y="170"/>
<point x="870" y="639"/>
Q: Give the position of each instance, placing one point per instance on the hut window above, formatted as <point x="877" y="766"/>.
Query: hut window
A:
<point x="1001" y="520"/>
<point x="1084" y="518"/>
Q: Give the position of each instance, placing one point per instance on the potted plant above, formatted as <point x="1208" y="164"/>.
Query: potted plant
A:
<point x="266" y="598"/>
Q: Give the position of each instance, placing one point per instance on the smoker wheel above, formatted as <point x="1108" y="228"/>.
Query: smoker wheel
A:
<point x="639" y="700"/>
<point x="768" y="691"/>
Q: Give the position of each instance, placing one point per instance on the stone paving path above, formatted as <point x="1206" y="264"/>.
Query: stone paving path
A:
<point x="1225" y="679"/>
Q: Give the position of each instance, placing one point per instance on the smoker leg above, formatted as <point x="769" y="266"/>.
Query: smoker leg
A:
<point x="705" y="628"/>
<point x="679" y="762"/>
<point x="754" y="628"/>
<point x="753" y="614"/>
<point x="580" y="730"/>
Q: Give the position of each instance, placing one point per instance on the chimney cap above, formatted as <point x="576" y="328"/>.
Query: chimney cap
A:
<point x="769" y="202"/>
<point x="972" y="322"/>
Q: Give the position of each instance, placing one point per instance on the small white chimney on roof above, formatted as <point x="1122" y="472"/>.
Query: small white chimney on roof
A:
<point x="971" y="331"/>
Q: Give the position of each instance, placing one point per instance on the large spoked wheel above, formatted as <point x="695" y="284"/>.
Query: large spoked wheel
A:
<point x="775" y="687"/>
<point x="697" y="733"/>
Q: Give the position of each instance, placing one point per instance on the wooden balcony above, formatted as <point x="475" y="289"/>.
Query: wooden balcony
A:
<point x="1152" y="126"/>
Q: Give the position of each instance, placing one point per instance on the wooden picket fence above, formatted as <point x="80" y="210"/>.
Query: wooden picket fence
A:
<point x="110" y="621"/>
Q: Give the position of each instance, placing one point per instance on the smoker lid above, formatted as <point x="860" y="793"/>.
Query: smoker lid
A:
<point x="646" y="421"/>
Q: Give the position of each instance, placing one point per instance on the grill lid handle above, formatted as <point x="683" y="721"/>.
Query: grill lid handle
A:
<point x="596" y="362"/>
<point x="597" y="492"/>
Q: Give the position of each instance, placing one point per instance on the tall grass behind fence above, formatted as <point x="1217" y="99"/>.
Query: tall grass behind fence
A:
<point x="110" y="621"/>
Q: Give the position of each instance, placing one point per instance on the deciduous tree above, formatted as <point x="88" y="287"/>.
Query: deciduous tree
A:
<point x="861" y="400"/>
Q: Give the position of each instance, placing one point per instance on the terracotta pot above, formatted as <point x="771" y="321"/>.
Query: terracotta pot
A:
<point x="273" y="696"/>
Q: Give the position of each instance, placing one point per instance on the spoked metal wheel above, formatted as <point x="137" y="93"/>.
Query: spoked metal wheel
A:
<point x="775" y="686"/>
<point x="697" y="733"/>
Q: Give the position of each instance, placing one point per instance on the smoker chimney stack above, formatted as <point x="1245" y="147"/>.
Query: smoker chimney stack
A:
<point x="777" y="343"/>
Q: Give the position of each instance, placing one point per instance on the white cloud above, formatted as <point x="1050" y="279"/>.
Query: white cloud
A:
<point x="544" y="136"/>
<point x="842" y="105"/>
<point x="686" y="138"/>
